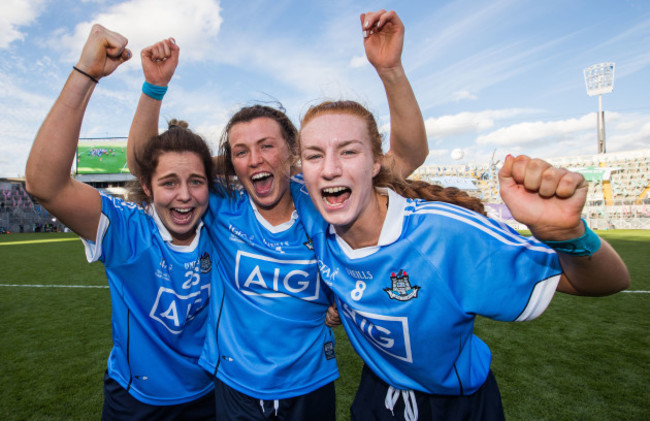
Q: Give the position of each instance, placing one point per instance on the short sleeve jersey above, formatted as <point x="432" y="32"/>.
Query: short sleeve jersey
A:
<point x="408" y="304"/>
<point x="159" y="298"/>
<point x="268" y="339"/>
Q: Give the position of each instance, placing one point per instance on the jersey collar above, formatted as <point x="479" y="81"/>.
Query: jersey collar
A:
<point x="266" y="224"/>
<point x="390" y="231"/>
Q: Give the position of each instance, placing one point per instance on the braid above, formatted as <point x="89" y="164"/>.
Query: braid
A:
<point x="418" y="189"/>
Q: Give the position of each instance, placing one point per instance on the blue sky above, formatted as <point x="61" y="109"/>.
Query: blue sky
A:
<point x="490" y="76"/>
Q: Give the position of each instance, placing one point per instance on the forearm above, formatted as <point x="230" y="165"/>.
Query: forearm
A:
<point x="143" y="128"/>
<point x="50" y="160"/>
<point x="602" y="273"/>
<point x="408" y="138"/>
<point x="549" y="201"/>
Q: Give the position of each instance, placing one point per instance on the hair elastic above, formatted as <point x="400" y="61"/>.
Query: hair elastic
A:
<point x="153" y="91"/>
<point x="585" y="245"/>
<point x="85" y="74"/>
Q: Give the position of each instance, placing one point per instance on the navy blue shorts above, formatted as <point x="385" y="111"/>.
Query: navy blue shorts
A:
<point x="369" y="403"/>
<point x="232" y="405"/>
<point x="119" y="405"/>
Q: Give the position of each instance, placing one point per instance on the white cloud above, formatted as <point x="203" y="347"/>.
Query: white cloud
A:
<point x="628" y="132"/>
<point x="530" y="132"/>
<point x="13" y="14"/>
<point x="542" y="139"/>
<point x="21" y="113"/>
<point x="358" y="61"/>
<point x="194" y="24"/>
<point x="469" y="122"/>
<point x="273" y="50"/>
<point x="307" y="61"/>
<point x="462" y="95"/>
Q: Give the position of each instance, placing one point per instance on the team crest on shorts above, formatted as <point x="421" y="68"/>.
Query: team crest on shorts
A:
<point x="328" y="348"/>
<point x="205" y="263"/>
<point x="401" y="288"/>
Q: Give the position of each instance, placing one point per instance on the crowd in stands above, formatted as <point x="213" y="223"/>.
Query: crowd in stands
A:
<point x="19" y="213"/>
<point x="618" y="197"/>
<point x="619" y="185"/>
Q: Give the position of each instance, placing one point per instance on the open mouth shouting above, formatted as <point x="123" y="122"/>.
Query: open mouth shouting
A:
<point x="182" y="216"/>
<point x="335" y="197"/>
<point x="262" y="183"/>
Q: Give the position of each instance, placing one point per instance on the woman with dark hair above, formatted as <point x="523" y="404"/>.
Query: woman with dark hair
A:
<point x="410" y="275"/>
<point x="158" y="262"/>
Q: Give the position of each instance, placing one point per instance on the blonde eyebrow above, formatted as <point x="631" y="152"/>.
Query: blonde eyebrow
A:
<point x="343" y="144"/>
<point x="348" y="142"/>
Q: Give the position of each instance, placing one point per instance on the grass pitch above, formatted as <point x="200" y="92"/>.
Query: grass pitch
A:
<point x="583" y="359"/>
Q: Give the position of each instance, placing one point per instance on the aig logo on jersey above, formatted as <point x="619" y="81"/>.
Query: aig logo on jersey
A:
<point x="175" y="310"/>
<point x="401" y="288"/>
<point x="389" y="334"/>
<point x="265" y="276"/>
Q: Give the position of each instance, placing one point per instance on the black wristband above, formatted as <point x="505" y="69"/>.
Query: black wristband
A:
<point x="85" y="74"/>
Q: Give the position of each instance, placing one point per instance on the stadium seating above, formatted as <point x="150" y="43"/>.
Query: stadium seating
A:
<point x="19" y="212"/>
<point x="618" y="195"/>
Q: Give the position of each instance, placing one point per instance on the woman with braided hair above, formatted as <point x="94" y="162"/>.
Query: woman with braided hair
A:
<point x="410" y="275"/>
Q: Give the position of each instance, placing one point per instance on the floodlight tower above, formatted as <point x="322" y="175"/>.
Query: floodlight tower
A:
<point x="599" y="80"/>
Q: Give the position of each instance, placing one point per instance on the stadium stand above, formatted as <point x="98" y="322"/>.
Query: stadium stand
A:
<point x="20" y="213"/>
<point x="618" y="195"/>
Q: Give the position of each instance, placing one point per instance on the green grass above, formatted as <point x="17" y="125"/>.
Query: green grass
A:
<point x="55" y="341"/>
<point x="583" y="359"/>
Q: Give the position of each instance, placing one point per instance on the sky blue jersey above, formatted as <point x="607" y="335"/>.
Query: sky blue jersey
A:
<point x="159" y="298"/>
<point x="409" y="303"/>
<point x="268" y="339"/>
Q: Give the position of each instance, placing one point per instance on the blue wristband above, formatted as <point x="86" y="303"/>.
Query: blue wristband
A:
<point x="153" y="91"/>
<point x="585" y="245"/>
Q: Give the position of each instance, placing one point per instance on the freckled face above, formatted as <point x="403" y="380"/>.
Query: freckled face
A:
<point x="179" y="192"/>
<point x="338" y="167"/>
<point x="262" y="161"/>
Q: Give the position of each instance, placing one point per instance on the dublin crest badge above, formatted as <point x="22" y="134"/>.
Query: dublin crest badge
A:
<point x="205" y="263"/>
<point x="401" y="288"/>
